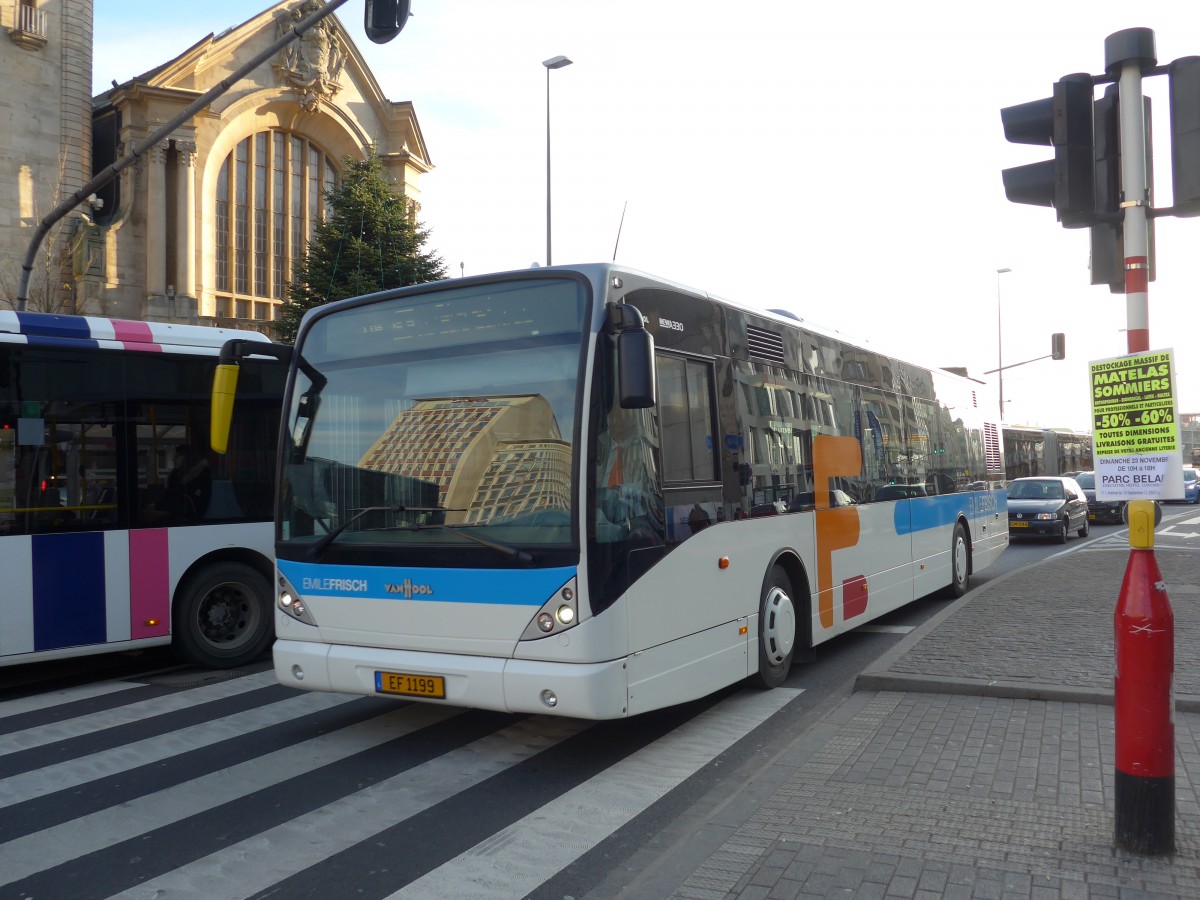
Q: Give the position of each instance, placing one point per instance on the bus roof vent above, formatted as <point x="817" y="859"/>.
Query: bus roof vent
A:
<point x="765" y="345"/>
<point x="991" y="447"/>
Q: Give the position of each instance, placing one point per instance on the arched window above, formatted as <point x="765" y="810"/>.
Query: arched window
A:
<point x="270" y="193"/>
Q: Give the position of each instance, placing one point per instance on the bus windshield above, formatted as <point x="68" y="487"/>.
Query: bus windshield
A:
<point x="436" y="419"/>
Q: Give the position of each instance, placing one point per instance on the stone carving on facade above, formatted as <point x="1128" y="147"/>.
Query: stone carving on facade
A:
<point x="313" y="62"/>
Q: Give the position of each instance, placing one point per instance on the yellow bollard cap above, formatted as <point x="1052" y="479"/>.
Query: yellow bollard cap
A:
<point x="1141" y="524"/>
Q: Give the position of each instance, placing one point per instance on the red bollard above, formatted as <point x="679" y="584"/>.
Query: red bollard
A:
<point x="1144" y="637"/>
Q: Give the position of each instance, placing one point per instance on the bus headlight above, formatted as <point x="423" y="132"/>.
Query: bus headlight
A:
<point x="290" y="602"/>
<point x="557" y="614"/>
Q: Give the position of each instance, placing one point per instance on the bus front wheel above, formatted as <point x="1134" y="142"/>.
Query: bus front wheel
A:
<point x="960" y="564"/>
<point x="776" y="630"/>
<point x="223" y="616"/>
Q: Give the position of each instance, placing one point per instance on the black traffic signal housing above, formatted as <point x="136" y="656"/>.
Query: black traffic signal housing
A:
<point x="384" y="19"/>
<point x="1184" y="77"/>
<point x="1058" y="345"/>
<point x="1108" y="233"/>
<point x="1063" y="121"/>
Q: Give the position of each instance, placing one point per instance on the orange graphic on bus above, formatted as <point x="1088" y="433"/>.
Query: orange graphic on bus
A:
<point x="837" y="528"/>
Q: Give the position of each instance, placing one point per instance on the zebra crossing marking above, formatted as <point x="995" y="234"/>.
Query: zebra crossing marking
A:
<point x="134" y="712"/>
<point x="514" y="861"/>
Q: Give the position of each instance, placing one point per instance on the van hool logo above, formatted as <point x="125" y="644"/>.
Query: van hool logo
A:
<point x="409" y="589"/>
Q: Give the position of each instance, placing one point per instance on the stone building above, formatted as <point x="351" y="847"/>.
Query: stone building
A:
<point x="45" y="138"/>
<point x="207" y="226"/>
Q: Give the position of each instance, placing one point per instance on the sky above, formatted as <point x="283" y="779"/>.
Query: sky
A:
<point x="840" y="160"/>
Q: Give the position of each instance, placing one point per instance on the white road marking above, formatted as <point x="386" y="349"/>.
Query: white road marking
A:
<point x="134" y="712"/>
<point x="39" y="702"/>
<point x="50" y="847"/>
<point x="256" y="863"/>
<point x="514" y="861"/>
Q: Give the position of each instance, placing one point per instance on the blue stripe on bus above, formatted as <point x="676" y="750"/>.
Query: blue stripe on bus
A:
<point x="506" y="587"/>
<point x="68" y="590"/>
<point x="74" y="328"/>
<point x="923" y="513"/>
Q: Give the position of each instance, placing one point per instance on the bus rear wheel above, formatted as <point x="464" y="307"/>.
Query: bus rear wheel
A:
<point x="223" y="616"/>
<point x="776" y="630"/>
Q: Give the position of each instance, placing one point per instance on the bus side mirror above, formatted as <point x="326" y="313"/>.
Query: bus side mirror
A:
<point x="635" y="369"/>
<point x="223" y="391"/>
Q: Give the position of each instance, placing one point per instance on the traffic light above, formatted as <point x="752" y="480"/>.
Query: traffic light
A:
<point x="1063" y="121"/>
<point x="1058" y="345"/>
<point x="384" y="19"/>
<point x="1107" y="232"/>
<point x="1184" y="77"/>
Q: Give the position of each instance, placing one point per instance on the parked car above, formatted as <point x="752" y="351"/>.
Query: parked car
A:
<point x="1047" y="506"/>
<point x="1099" y="510"/>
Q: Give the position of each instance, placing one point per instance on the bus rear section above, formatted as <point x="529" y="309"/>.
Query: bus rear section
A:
<point x="118" y="529"/>
<point x="483" y="503"/>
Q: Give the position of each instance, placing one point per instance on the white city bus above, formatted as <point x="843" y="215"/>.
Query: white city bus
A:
<point x="118" y="529"/>
<point x="585" y="491"/>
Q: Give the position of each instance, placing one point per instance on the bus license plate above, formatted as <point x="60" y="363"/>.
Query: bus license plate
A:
<point x="410" y="685"/>
<point x="1018" y="524"/>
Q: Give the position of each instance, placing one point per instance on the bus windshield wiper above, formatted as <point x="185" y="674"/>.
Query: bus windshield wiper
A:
<point x="319" y="547"/>
<point x="516" y="553"/>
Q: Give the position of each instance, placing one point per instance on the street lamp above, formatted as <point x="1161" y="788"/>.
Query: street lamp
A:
<point x="555" y="62"/>
<point x="1000" y="342"/>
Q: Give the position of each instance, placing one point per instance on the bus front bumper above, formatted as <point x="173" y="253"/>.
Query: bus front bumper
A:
<point x="579" y="690"/>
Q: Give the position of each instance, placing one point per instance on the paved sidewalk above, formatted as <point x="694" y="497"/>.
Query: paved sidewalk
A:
<point x="976" y="759"/>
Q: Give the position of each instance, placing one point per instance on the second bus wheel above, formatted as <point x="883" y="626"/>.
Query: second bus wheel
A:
<point x="223" y="616"/>
<point x="776" y="630"/>
<point x="960" y="564"/>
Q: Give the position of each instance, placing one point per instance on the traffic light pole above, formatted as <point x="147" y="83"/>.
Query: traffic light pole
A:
<point x="1131" y="53"/>
<point x="1143" y="624"/>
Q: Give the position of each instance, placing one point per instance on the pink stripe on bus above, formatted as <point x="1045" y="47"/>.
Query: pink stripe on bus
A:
<point x="135" y="335"/>
<point x="149" y="583"/>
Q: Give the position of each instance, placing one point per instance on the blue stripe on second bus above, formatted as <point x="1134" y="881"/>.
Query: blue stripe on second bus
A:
<point x="923" y="513"/>
<point x="68" y="590"/>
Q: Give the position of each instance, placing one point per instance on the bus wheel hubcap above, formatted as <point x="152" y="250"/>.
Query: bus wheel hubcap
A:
<point x="778" y="627"/>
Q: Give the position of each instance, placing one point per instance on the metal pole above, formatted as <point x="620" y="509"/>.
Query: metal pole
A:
<point x="555" y="62"/>
<point x="1143" y="625"/>
<point x="1000" y="342"/>
<point x="1136" y="201"/>
<point x="111" y="172"/>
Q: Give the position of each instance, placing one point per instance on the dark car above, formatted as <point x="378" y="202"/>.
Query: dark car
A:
<point x="1046" y="506"/>
<point x="1100" y="510"/>
<point x="1191" y="484"/>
